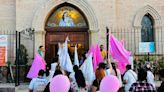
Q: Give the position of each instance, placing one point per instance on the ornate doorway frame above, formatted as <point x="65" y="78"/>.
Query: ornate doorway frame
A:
<point x="44" y="11"/>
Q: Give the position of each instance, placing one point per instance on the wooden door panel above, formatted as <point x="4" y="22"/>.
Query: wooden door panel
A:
<point x="53" y="38"/>
<point x="57" y="37"/>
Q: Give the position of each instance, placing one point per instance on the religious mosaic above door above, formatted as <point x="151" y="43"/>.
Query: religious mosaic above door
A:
<point x="66" y="17"/>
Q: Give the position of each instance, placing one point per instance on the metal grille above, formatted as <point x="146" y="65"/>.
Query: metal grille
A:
<point x="20" y="49"/>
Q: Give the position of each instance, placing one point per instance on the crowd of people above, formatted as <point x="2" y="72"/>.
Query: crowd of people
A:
<point x="131" y="81"/>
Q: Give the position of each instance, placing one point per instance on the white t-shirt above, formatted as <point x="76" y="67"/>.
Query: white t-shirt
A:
<point x="150" y="78"/>
<point x="131" y="77"/>
<point x="38" y="84"/>
<point x="107" y="72"/>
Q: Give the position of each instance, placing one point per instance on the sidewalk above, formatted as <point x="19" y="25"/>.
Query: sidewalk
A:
<point x="22" y="88"/>
<point x="9" y="87"/>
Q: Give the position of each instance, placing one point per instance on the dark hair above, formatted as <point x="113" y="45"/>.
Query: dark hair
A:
<point x="148" y="69"/>
<point x="41" y="72"/>
<point x="75" y="68"/>
<point x="63" y="15"/>
<point x="114" y="68"/>
<point x="161" y="73"/>
<point x="79" y="77"/>
<point x="101" y="45"/>
<point x="128" y="67"/>
<point x="142" y="74"/>
<point x="57" y="71"/>
<point x="102" y="65"/>
<point x="40" y="47"/>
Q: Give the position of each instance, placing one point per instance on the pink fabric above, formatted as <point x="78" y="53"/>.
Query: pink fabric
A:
<point x="94" y="61"/>
<point x="119" y="53"/>
<point x="38" y="64"/>
<point x="97" y="58"/>
<point x="91" y="50"/>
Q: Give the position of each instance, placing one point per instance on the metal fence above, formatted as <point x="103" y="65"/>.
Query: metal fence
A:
<point x="132" y="37"/>
<point x="6" y="75"/>
<point x="20" y="49"/>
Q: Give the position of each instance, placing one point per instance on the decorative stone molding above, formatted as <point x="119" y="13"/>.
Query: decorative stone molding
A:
<point x="44" y="11"/>
<point x="152" y="12"/>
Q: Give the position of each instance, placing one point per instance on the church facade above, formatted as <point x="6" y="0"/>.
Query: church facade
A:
<point x="85" y="22"/>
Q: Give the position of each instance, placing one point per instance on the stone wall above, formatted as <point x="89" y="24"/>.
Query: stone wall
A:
<point x="7" y="15"/>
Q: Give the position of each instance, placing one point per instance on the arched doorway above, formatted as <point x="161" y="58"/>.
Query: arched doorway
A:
<point x="66" y="20"/>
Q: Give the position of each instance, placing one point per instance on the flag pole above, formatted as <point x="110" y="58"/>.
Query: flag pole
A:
<point x="107" y="42"/>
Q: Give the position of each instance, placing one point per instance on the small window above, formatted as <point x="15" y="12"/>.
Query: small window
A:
<point x="147" y="32"/>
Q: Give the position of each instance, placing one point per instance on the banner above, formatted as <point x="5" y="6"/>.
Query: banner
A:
<point x="145" y="47"/>
<point x="3" y="50"/>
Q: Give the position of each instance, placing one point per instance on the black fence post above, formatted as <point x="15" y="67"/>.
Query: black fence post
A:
<point x="33" y="43"/>
<point x="19" y="59"/>
<point x="16" y="60"/>
<point x="107" y="43"/>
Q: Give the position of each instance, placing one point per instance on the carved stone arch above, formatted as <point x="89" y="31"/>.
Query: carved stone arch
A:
<point x="43" y="12"/>
<point x="150" y="10"/>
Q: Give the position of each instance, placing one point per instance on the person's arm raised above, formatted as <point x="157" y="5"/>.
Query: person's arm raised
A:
<point x="110" y="65"/>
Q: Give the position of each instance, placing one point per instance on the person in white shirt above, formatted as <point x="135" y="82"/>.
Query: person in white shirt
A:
<point x="129" y="78"/>
<point x="38" y="84"/>
<point x="150" y="76"/>
<point x="52" y="68"/>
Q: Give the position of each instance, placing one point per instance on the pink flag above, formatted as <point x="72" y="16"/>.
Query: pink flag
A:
<point x="38" y="64"/>
<point x="91" y="50"/>
<point x="119" y="53"/>
<point x="97" y="58"/>
<point x="94" y="61"/>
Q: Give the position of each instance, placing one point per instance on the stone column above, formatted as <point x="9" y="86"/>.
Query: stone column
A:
<point x="158" y="40"/>
<point x="93" y="37"/>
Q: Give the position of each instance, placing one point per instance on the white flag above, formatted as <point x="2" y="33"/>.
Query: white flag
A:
<point x="76" y="60"/>
<point x="64" y="58"/>
<point x="87" y="69"/>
